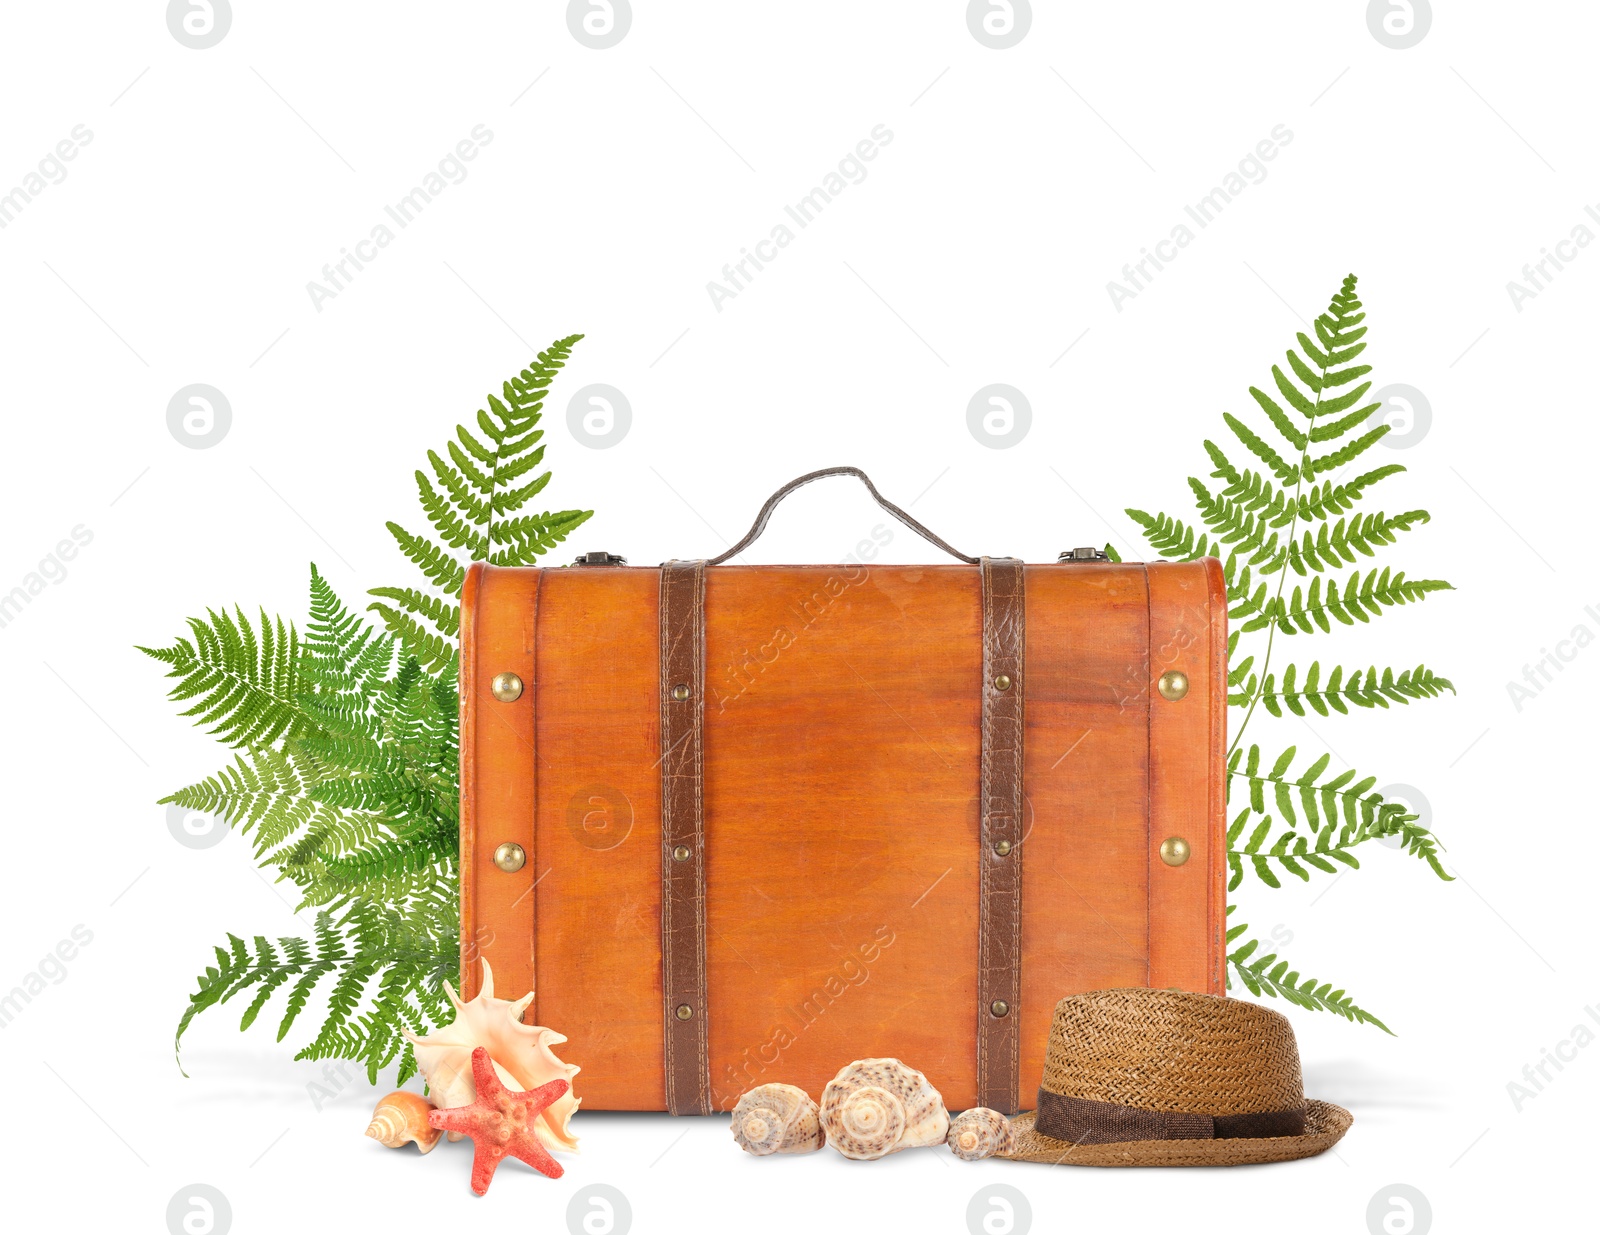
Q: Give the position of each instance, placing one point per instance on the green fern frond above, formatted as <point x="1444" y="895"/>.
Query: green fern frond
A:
<point x="1361" y="601"/>
<point x="1252" y="492"/>
<point x="1267" y="975"/>
<point x="1245" y="533"/>
<point x="514" y="499"/>
<point x="514" y="468"/>
<point x="1290" y="514"/>
<point x="1342" y="689"/>
<point x="441" y="614"/>
<point x="441" y="570"/>
<point x="1339" y="544"/>
<point x="1242" y="600"/>
<point x="1328" y="499"/>
<point x="1291" y="851"/>
<point x="1171" y="537"/>
<point x="1333" y="430"/>
<point x="1286" y="472"/>
<point x="458" y="532"/>
<point x="434" y="650"/>
<point x="1336" y="459"/>
<point x="264" y="790"/>
<point x="360" y="813"/>
<point x="1279" y="418"/>
<point x="244" y="683"/>
<point x="411" y="957"/>
<point x="1339" y="813"/>
<point x="472" y="502"/>
<point x="460" y="488"/>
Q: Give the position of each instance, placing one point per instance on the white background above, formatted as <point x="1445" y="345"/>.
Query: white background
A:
<point x="617" y="184"/>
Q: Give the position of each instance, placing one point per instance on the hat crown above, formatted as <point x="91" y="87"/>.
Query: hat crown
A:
<point x="1173" y="1051"/>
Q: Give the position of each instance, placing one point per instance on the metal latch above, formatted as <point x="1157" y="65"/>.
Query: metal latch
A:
<point x="1083" y="555"/>
<point x="601" y="559"/>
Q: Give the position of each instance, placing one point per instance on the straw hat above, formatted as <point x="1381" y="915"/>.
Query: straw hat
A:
<point x="1143" y="1077"/>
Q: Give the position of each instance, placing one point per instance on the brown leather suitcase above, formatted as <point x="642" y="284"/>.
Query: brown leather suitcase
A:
<point x="740" y="824"/>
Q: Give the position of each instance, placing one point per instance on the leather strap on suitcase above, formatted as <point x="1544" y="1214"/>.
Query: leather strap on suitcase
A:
<point x="683" y="894"/>
<point x="1001" y="844"/>
<point x="683" y="872"/>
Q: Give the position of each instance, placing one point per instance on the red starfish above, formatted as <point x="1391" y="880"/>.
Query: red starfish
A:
<point x="501" y="1122"/>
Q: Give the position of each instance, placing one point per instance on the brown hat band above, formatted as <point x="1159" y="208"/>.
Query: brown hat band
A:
<point x="1085" y="1122"/>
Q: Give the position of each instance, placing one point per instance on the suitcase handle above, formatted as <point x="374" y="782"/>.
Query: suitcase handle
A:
<point x="760" y="524"/>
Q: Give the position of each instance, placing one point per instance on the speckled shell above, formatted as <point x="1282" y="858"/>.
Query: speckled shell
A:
<point x="880" y="1106"/>
<point x="980" y="1133"/>
<point x="777" y="1119"/>
<point x="521" y="1055"/>
<point x="402" y="1118"/>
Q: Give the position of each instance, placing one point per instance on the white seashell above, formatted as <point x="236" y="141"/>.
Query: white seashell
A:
<point x="980" y="1133"/>
<point x="778" y="1119"/>
<point x="521" y="1055"/>
<point x="402" y="1117"/>
<point x="880" y="1106"/>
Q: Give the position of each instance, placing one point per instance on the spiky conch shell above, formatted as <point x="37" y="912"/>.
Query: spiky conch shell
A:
<point x="776" y="1118"/>
<point x="521" y="1055"/>
<point x="401" y="1118"/>
<point x="880" y="1106"/>
<point x="980" y="1133"/>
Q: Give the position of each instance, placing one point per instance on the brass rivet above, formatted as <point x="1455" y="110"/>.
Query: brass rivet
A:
<point x="999" y="1007"/>
<point x="1174" y="851"/>
<point x="684" y="1011"/>
<point x="1003" y="682"/>
<point x="680" y="692"/>
<point x="1173" y="685"/>
<point x="682" y="853"/>
<point x="506" y="687"/>
<point x="1002" y="847"/>
<point x="510" y="857"/>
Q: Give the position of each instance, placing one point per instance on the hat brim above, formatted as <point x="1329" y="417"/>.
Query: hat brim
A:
<point x="1325" y="1124"/>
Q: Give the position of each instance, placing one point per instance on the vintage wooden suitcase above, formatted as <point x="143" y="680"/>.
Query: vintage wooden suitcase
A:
<point x="739" y="824"/>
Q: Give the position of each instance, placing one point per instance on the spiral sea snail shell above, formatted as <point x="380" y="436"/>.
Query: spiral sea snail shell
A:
<point x="776" y="1119"/>
<point x="880" y="1106"/>
<point x="980" y="1133"/>
<point x="403" y="1117"/>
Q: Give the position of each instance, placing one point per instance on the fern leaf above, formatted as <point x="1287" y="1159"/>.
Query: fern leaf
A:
<point x="1341" y="689"/>
<point x="1339" y="813"/>
<point x="1279" y="418"/>
<point x="1342" y="403"/>
<point x="480" y="482"/>
<point x="1170" y="537"/>
<point x="1361" y="600"/>
<point x="1337" y="459"/>
<point x="1328" y="499"/>
<point x="243" y="684"/>
<point x="465" y="502"/>
<point x="1262" y="976"/>
<point x="538" y="533"/>
<point x="458" y="532"/>
<point x="1339" y="543"/>
<point x="433" y="650"/>
<point x="1286" y="472"/>
<point x="442" y="570"/>
<point x="443" y="615"/>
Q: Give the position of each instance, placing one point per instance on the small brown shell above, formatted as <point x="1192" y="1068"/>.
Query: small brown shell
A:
<point x="880" y="1106"/>
<point x="776" y="1119"/>
<point x="403" y="1117"/>
<point x="980" y="1133"/>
